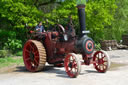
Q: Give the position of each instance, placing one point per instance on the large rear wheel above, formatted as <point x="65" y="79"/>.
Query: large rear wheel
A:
<point x="34" y="55"/>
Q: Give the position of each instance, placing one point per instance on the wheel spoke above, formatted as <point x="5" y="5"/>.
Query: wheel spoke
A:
<point x="98" y="57"/>
<point x="36" y="53"/>
<point x="97" y="65"/>
<point x="104" y="65"/>
<point x="75" y="66"/>
<point x="70" y="70"/>
<point x="101" y="67"/>
<point x="30" y="66"/>
<point x="28" y="59"/>
<point x="27" y="51"/>
<point x="31" y="47"/>
<point x="103" y="57"/>
<point x="73" y="58"/>
<point x="74" y="62"/>
<point x="76" y="69"/>
<point x="34" y="49"/>
<point x="35" y="64"/>
<point x="105" y="61"/>
<point x="36" y="61"/>
<point x="95" y="62"/>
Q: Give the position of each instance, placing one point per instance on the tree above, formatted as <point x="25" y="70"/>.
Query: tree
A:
<point x="14" y="14"/>
<point x="99" y="15"/>
<point x="120" y="24"/>
<point x="19" y="12"/>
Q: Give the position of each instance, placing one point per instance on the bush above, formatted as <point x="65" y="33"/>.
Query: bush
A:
<point x="98" y="46"/>
<point x="4" y="53"/>
<point x="4" y="35"/>
<point x="19" y="53"/>
<point x="13" y="45"/>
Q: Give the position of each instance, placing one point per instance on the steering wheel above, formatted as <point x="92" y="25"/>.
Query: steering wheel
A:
<point x="59" y="28"/>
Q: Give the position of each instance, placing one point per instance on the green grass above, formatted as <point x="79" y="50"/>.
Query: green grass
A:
<point x="10" y="61"/>
<point x="19" y="53"/>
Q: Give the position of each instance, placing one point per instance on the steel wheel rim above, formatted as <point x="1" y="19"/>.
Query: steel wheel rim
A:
<point x="31" y="56"/>
<point x="71" y="66"/>
<point x="101" y="61"/>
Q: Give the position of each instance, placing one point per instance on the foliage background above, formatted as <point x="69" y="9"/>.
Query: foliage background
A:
<point x="106" y="19"/>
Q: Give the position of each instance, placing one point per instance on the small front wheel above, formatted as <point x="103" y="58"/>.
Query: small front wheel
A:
<point x="101" y="61"/>
<point x="72" y="65"/>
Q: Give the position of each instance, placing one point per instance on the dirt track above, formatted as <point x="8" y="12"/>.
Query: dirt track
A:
<point x="117" y="75"/>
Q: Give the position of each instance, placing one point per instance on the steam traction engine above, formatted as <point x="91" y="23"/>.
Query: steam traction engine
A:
<point x="60" y="46"/>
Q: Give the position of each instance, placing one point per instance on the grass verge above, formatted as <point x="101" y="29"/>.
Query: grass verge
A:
<point x="9" y="61"/>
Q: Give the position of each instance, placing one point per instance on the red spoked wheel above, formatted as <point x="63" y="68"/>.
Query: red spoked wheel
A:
<point x="72" y="65"/>
<point x="34" y="55"/>
<point x="101" y="61"/>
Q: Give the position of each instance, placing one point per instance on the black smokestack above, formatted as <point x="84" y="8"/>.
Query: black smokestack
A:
<point x="81" y="14"/>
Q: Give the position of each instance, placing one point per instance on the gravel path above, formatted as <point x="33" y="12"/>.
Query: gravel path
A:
<point x="117" y="75"/>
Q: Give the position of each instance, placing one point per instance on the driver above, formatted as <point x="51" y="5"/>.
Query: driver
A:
<point x="40" y="28"/>
<point x="70" y="28"/>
